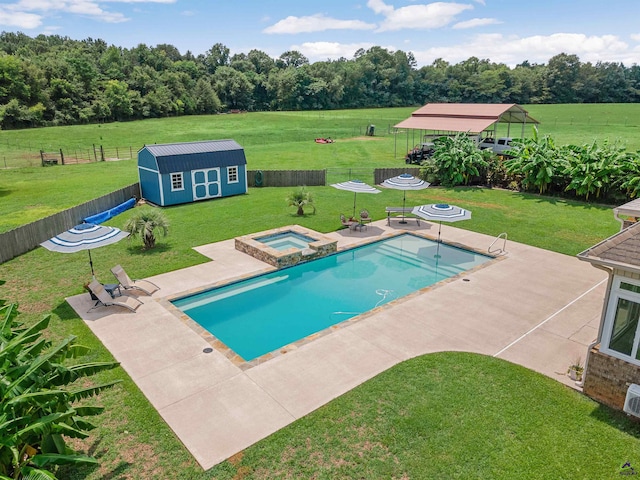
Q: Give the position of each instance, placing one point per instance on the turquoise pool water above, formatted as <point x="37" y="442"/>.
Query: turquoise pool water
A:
<point x="285" y="240"/>
<point x="264" y="313"/>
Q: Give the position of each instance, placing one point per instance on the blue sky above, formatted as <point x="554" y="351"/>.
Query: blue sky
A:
<point x="508" y="31"/>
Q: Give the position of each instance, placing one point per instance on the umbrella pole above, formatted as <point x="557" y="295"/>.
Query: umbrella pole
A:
<point x="439" y="228"/>
<point x="404" y="201"/>
<point x="91" y="264"/>
<point x="354" y="204"/>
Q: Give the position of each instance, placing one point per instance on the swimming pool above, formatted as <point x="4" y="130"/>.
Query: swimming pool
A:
<point x="285" y="240"/>
<point x="265" y="313"/>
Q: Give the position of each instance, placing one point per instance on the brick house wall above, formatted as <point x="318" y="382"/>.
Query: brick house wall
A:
<point x="608" y="378"/>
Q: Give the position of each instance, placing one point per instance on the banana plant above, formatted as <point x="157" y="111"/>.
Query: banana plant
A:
<point x="538" y="161"/>
<point x="628" y="178"/>
<point x="593" y="168"/>
<point x="39" y="399"/>
<point x="457" y="160"/>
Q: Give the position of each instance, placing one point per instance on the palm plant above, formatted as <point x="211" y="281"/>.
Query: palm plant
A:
<point x="38" y="399"/>
<point x="144" y="224"/>
<point x="299" y="199"/>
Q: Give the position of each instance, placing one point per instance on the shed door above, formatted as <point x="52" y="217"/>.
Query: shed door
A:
<point x="206" y="183"/>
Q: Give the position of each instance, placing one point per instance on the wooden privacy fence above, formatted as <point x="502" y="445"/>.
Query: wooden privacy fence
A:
<point x="286" y="178"/>
<point x="310" y="178"/>
<point x="381" y="174"/>
<point x="23" y="239"/>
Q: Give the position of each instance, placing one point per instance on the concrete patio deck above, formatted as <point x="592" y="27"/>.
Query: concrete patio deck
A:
<point x="535" y="308"/>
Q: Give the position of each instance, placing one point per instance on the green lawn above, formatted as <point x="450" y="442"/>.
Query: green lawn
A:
<point x="449" y="415"/>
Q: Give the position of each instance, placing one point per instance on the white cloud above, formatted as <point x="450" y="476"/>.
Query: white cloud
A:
<point x="512" y="50"/>
<point x="481" y="2"/>
<point x="29" y="14"/>
<point x="476" y="22"/>
<point x="316" y="23"/>
<point x="139" y="1"/>
<point x="378" y="6"/>
<point x="422" y="17"/>
<point x="635" y="37"/>
<point x="19" y="19"/>
<point x="321" y="51"/>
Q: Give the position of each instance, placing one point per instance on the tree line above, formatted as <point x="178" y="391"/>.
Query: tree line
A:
<point x="54" y="80"/>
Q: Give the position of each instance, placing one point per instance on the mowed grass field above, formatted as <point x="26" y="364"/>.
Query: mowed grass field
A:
<point x="272" y="141"/>
<point x="449" y="415"/>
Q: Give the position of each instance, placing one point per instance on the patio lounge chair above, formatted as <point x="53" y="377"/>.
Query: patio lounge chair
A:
<point x="143" y="285"/>
<point x="351" y="223"/>
<point x="107" y="300"/>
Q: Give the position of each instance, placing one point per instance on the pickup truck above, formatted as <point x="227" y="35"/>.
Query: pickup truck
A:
<point x="500" y="146"/>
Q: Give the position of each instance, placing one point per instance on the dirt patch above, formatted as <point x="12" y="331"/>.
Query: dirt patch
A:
<point x="364" y="138"/>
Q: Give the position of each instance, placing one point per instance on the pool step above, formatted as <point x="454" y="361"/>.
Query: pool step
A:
<point x="399" y="254"/>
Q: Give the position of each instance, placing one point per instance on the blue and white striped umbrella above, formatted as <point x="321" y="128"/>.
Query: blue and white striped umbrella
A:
<point x="405" y="182"/>
<point x="441" y="212"/>
<point x="355" y="186"/>
<point x="84" y="237"/>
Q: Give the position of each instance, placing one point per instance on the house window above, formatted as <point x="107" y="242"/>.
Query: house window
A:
<point x="177" y="183"/>
<point x="232" y="174"/>
<point x="621" y="334"/>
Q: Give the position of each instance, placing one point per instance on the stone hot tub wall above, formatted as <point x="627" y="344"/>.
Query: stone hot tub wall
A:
<point x="320" y="247"/>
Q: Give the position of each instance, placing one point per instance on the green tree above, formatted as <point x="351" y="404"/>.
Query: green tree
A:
<point x="145" y="223"/>
<point x="42" y="398"/>
<point x="562" y="78"/>
<point x="116" y="97"/>
<point x="232" y="87"/>
<point x="217" y="56"/>
<point x="206" y="99"/>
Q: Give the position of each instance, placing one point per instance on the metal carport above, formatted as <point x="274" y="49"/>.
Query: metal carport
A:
<point x="474" y="118"/>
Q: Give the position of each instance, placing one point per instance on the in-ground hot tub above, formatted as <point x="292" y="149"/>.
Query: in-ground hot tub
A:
<point x="286" y="246"/>
<point x="285" y="240"/>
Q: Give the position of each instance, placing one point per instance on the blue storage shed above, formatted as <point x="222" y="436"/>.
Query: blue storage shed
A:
<point x="175" y="173"/>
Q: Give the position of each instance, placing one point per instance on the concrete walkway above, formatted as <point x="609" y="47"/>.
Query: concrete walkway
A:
<point x="533" y="307"/>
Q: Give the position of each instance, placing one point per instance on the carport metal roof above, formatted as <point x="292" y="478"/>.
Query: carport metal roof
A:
<point x="465" y="117"/>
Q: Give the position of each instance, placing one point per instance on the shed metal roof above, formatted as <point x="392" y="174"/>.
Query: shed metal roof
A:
<point x="465" y="117"/>
<point x="179" y="157"/>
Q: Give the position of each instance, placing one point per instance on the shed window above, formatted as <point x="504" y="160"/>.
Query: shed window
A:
<point x="177" y="182"/>
<point x="232" y="174"/>
<point x="621" y="333"/>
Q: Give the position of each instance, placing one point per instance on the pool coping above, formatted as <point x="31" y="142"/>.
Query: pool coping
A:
<point x="535" y="308"/>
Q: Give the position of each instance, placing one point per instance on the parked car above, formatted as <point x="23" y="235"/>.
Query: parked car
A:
<point x="499" y="146"/>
